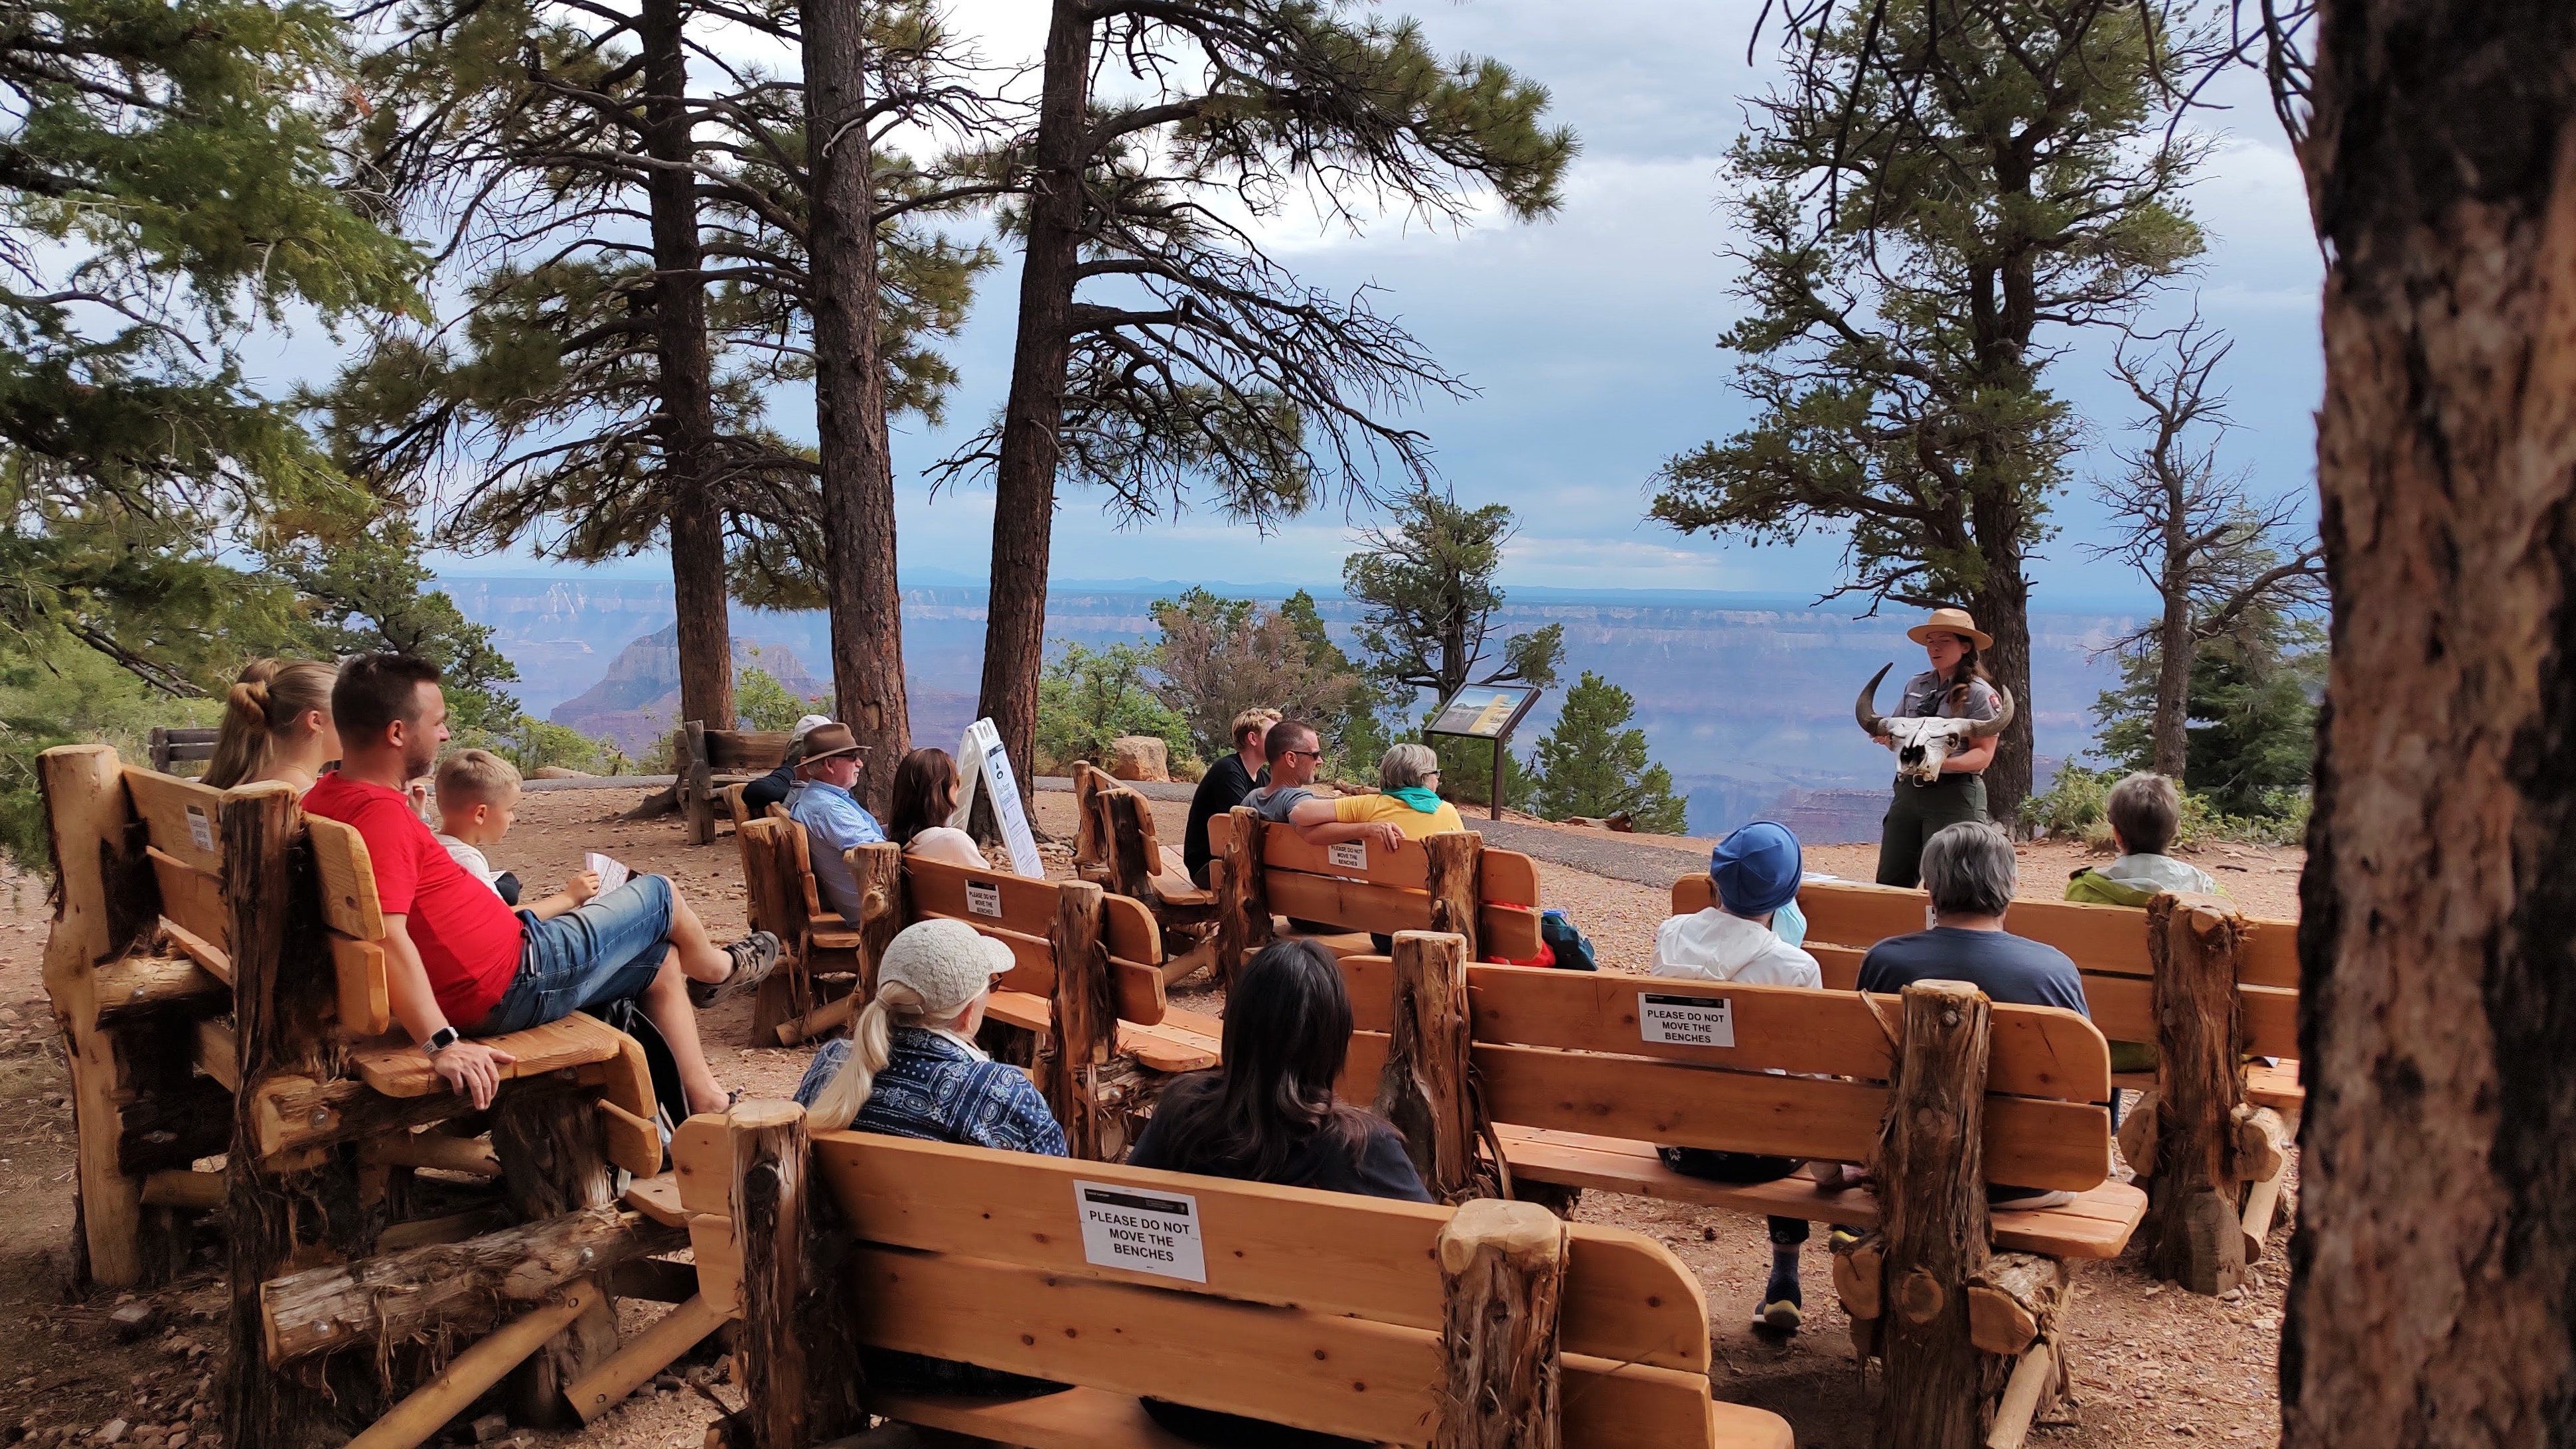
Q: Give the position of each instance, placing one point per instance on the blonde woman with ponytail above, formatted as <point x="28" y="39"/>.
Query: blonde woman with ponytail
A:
<point x="277" y="726"/>
<point x="910" y="1066"/>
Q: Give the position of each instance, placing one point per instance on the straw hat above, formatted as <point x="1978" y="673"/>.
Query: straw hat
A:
<point x="1950" y="621"/>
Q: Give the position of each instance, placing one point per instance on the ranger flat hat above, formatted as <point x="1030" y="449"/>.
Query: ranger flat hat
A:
<point x="1950" y="621"/>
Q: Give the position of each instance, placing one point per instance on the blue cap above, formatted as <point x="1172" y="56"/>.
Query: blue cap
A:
<point x="1757" y="869"/>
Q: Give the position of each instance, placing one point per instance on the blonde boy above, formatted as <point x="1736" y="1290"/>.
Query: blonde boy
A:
<point x="478" y="797"/>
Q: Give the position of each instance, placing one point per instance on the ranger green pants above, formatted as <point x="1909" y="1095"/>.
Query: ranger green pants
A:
<point x="1912" y="817"/>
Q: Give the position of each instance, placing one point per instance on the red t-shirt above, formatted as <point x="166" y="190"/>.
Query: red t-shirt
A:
<point x="468" y="940"/>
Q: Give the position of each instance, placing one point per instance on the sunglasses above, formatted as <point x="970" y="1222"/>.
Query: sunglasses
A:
<point x="1309" y="754"/>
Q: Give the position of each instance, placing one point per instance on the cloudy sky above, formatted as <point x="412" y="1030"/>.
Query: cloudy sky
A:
<point x="1590" y="338"/>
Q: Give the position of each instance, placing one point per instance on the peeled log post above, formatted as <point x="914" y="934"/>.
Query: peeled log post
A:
<point x="554" y="1160"/>
<point x="1131" y="871"/>
<point x="1453" y="868"/>
<point x="2032" y="1378"/>
<point x="477" y="1369"/>
<point x="1243" y="908"/>
<point x="1932" y="1194"/>
<point x="1423" y="1091"/>
<point x="1086" y="1019"/>
<point x="2193" y="1229"/>
<point x="878" y="872"/>
<point x="396" y="1296"/>
<point x="801" y="1377"/>
<point x="1502" y="1275"/>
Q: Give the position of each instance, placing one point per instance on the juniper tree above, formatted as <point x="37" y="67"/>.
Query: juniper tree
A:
<point x="1161" y="352"/>
<point x="1939" y="195"/>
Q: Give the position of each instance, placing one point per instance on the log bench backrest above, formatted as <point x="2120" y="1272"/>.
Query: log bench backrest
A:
<point x="1319" y="1310"/>
<point x="779" y="895"/>
<point x="170" y="745"/>
<point x="2107" y="943"/>
<point x="1807" y="1076"/>
<point x="181" y="821"/>
<point x="1020" y="913"/>
<point x="745" y="752"/>
<point x="1360" y="888"/>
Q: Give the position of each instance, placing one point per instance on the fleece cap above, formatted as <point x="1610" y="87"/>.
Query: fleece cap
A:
<point x="1757" y="869"/>
<point x="946" y="963"/>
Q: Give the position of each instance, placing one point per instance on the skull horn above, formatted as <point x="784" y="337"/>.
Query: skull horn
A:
<point x="1986" y="729"/>
<point x="1865" y="708"/>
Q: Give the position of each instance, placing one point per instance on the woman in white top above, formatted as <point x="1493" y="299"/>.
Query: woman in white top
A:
<point x="277" y="726"/>
<point x="925" y="795"/>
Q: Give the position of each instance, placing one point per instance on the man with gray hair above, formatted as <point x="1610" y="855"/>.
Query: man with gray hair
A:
<point x="1968" y="870"/>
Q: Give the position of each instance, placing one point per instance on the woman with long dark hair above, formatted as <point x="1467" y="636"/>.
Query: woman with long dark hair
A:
<point x="925" y="795"/>
<point x="1955" y="687"/>
<point x="1269" y="1115"/>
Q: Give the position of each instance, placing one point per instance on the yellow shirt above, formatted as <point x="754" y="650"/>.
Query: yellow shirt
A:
<point x="1363" y="809"/>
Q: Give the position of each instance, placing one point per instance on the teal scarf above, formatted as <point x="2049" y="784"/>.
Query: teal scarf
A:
<point x="1418" y="797"/>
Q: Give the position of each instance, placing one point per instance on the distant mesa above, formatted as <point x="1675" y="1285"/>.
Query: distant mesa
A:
<point x="637" y="702"/>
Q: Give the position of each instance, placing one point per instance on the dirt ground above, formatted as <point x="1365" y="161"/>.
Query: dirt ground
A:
<point x="2153" y="1364"/>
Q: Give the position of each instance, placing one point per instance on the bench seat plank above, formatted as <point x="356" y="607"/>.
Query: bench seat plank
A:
<point x="658" y="1198"/>
<point x="1070" y="1419"/>
<point x="1163" y="1047"/>
<point x="2096" y="1225"/>
<point x="401" y="1069"/>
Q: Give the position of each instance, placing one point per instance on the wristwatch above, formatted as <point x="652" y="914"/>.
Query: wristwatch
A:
<point x="441" y="1039"/>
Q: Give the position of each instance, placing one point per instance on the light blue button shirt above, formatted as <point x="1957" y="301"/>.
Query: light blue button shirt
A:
<point x="833" y="823"/>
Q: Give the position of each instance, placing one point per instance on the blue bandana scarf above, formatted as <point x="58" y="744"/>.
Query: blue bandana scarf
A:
<point x="1420" y="798"/>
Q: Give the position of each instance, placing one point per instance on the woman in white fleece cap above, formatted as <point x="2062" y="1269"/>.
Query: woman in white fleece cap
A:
<point x="910" y="1066"/>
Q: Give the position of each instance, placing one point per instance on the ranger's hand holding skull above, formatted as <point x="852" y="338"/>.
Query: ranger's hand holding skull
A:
<point x="1922" y="744"/>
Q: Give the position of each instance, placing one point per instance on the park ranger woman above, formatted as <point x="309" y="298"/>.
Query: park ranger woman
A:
<point x="1955" y="687"/>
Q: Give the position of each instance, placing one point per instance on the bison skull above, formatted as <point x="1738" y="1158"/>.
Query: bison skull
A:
<point x="1922" y="744"/>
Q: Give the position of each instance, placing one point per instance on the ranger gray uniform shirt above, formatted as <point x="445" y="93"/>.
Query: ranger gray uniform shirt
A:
<point x="1926" y="697"/>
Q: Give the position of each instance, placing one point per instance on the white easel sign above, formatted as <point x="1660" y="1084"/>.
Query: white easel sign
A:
<point x="987" y="766"/>
<point x="1143" y="1230"/>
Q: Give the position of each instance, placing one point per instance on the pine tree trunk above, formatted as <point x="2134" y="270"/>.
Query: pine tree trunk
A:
<point x="1024" y="479"/>
<point x="2168" y="733"/>
<point x="849" y="398"/>
<point x="687" y="421"/>
<point x="2002" y="608"/>
<point x="2433" y="1296"/>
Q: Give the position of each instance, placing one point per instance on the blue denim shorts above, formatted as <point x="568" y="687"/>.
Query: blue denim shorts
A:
<point x="609" y="950"/>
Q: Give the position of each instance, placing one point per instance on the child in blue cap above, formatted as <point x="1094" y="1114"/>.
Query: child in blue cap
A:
<point x="1756" y="872"/>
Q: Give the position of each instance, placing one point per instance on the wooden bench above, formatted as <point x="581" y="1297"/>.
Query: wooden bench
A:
<point x="1106" y="1013"/>
<point x="2234" y="980"/>
<point x="1391" y="1323"/>
<point x="1580" y="1075"/>
<point x="1451" y="882"/>
<point x="822" y="955"/>
<point x="1116" y="848"/>
<point x="173" y="744"/>
<point x="706" y="761"/>
<point x="211" y="1017"/>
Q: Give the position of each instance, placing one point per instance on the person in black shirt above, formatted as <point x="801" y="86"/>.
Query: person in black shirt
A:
<point x="1224" y="786"/>
<point x="771" y="789"/>
<point x="1269" y="1115"/>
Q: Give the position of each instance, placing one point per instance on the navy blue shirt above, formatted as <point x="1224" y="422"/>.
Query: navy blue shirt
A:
<point x="2013" y="970"/>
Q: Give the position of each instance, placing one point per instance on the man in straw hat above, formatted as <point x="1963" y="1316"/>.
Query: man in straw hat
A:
<point x="833" y="818"/>
<point x="1955" y="687"/>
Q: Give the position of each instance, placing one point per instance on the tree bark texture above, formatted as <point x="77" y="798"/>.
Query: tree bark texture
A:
<point x="800" y="1374"/>
<point x="2193" y="1227"/>
<point x="1425" y="1091"/>
<point x="1086" y="1020"/>
<point x="2168" y="732"/>
<point x="849" y="396"/>
<point x="1502" y="1274"/>
<point x="554" y="1160"/>
<point x="1024" y="477"/>
<point x="279" y="1215"/>
<point x="2002" y="608"/>
<point x="1455" y="861"/>
<point x="1243" y="907"/>
<point x="686" y="378"/>
<point x="2433" y="1293"/>
<point x="1932" y="1194"/>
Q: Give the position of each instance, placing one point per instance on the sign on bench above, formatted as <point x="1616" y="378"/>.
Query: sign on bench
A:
<point x="1322" y="1311"/>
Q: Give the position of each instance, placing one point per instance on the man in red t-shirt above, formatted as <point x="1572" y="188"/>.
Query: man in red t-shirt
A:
<point x="458" y="960"/>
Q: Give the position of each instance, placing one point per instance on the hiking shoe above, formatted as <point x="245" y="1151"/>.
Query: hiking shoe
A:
<point x="754" y="957"/>
<point x="1841" y="1239"/>
<point x="1783" y="1307"/>
<point x="2030" y="1202"/>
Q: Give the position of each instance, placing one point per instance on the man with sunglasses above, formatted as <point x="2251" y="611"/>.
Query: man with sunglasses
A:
<point x="1295" y="753"/>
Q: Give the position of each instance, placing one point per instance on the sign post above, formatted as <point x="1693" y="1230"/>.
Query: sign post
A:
<point x="1486" y="712"/>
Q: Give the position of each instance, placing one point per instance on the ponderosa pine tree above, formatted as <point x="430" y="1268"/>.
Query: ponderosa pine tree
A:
<point x="1941" y="185"/>
<point x="1593" y="763"/>
<point x="1160" y="349"/>
<point x="169" y="189"/>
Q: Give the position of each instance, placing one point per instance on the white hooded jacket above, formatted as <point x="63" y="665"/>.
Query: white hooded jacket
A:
<point x="1711" y="945"/>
